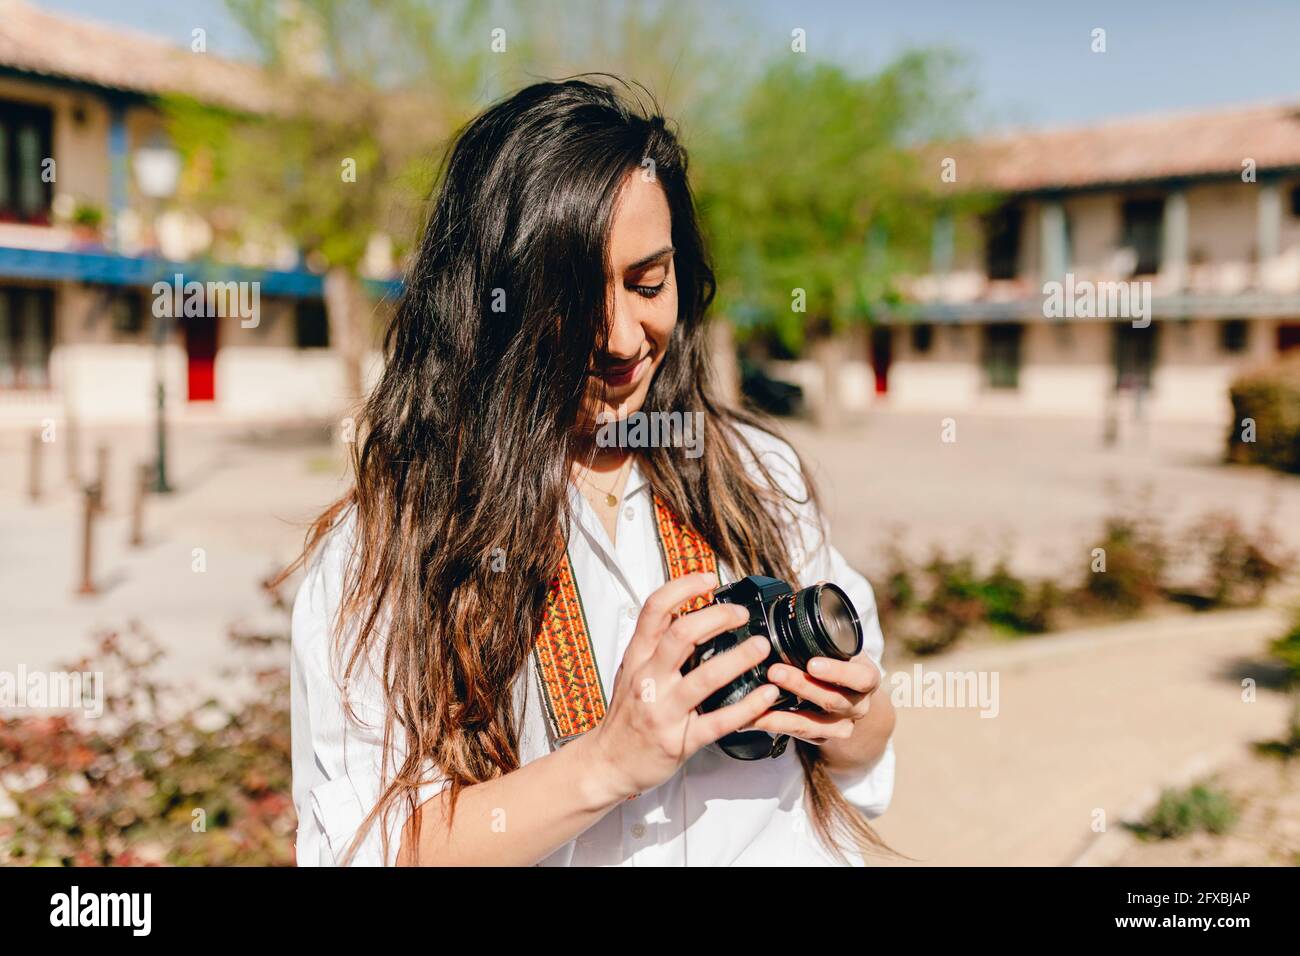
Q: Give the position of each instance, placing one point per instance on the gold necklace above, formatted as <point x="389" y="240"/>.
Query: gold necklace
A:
<point x="610" y="498"/>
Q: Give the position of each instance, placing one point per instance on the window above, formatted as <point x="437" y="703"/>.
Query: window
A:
<point x="1135" y="355"/>
<point x="26" y="337"/>
<point x="25" y="145"/>
<point x="1143" y="232"/>
<point x="1002" y="242"/>
<point x="313" y="329"/>
<point x="1234" y="335"/>
<point x="922" y="337"/>
<point x="127" y="313"/>
<point x="1002" y="355"/>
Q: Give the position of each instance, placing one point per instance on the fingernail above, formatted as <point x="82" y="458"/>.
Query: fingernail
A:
<point x="817" y="665"/>
<point x="759" y="642"/>
<point x="771" y="692"/>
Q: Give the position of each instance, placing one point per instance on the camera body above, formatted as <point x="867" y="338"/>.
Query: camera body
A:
<point x="818" y="621"/>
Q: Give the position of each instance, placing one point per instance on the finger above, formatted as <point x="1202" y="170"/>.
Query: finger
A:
<point x="690" y="630"/>
<point x="829" y="697"/>
<point x="860" y="674"/>
<point x="722" y="669"/>
<point x="706" y="728"/>
<point x="805" y="725"/>
<point x="657" y="612"/>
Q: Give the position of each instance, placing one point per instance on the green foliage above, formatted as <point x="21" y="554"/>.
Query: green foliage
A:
<point x="928" y="607"/>
<point x="818" y="187"/>
<point x="1178" y="813"/>
<point x="1287" y="648"/>
<point x="1270" y="398"/>
<point x="209" y="786"/>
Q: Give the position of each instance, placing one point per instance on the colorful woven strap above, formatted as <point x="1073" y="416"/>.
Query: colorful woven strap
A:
<point x="572" y="692"/>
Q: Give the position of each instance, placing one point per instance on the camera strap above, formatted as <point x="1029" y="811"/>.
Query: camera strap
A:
<point x="571" y="689"/>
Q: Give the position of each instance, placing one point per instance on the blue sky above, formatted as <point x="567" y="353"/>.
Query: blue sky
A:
<point x="1031" y="59"/>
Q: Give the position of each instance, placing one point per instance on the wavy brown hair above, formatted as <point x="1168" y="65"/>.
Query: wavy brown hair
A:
<point x="466" y="442"/>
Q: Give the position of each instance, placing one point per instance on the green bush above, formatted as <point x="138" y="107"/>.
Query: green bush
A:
<point x="1287" y="649"/>
<point x="1270" y="398"/>
<point x="1239" y="567"/>
<point x="1178" y="813"/>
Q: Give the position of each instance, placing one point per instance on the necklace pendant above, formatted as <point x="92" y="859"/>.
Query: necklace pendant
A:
<point x="611" y="501"/>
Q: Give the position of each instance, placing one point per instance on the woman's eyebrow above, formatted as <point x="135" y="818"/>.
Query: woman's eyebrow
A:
<point x="650" y="259"/>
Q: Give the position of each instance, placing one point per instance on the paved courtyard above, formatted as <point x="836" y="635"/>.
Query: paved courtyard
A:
<point x="1086" y="722"/>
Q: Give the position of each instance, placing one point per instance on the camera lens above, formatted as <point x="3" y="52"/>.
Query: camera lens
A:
<point x="819" y="621"/>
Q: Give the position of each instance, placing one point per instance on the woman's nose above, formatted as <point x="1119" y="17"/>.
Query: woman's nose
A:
<point x="626" y="337"/>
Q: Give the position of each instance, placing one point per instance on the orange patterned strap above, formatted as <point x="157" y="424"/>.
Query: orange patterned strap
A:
<point x="572" y="693"/>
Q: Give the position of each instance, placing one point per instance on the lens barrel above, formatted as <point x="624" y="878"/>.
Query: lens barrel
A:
<point x="818" y="621"/>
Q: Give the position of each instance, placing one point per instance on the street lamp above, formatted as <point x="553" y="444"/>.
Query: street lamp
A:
<point x="157" y="171"/>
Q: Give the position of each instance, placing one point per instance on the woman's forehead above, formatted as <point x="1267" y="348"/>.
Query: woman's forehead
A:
<point x="642" y="223"/>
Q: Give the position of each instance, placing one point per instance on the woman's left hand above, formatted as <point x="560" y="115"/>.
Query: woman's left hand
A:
<point x="841" y="689"/>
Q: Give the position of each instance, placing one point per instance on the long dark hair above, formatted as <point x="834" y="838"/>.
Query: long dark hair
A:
<point x="466" y="441"/>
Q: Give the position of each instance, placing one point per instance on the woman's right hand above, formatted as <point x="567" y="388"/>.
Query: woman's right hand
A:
<point x="651" y="727"/>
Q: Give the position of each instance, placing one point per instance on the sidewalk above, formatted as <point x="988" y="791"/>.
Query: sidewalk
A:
<point x="1089" y="720"/>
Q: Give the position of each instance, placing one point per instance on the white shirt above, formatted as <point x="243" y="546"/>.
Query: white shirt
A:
<point x="714" y="811"/>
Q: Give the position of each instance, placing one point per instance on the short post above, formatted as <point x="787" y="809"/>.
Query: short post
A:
<point x="71" y="431"/>
<point x="90" y="495"/>
<point x="34" y="467"/>
<point x="101" y="476"/>
<point x="143" y="475"/>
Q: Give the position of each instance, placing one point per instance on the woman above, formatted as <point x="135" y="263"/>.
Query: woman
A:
<point x="562" y="283"/>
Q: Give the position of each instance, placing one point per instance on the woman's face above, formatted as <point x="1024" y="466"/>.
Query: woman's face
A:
<point x="642" y="302"/>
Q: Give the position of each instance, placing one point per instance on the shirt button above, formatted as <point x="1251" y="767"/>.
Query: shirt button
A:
<point x="631" y="613"/>
<point x="629" y="512"/>
<point x="638" y="830"/>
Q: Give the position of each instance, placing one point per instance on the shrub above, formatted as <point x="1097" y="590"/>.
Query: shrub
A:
<point x="124" y="789"/>
<point x="1136" y="555"/>
<point x="1287" y="649"/>
<point x="1270" y="397"/>
<point x="1178" y="813"/>
<point x="1239" y="568"/>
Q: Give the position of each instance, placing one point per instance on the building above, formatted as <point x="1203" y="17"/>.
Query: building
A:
<point x="1196" y="215"/>
<point x="86" y="231"/>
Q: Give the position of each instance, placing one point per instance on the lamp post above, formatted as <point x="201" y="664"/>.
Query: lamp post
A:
<point x="157" y="171"/>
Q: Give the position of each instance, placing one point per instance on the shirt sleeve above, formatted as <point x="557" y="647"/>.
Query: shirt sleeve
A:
<point x="338" y="765"/>
<point x="816" y="559"/>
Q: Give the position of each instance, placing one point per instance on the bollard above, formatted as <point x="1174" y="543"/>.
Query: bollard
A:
<point x="90" y="495"/>
<point x="101" y="476"/>
<point x="34" y="467"/>
<point x="143" y="477"/>
<point x="71" y="433"/>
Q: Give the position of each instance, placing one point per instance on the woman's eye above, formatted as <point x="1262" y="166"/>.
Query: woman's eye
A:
<point x="648" y="291"/>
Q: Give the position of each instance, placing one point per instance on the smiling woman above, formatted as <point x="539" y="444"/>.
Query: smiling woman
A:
<point x="492" y="615"/>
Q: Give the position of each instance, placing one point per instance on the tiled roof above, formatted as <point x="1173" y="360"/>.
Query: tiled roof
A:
<point x="1132" y="150"/>
<point x="34" y="41"/>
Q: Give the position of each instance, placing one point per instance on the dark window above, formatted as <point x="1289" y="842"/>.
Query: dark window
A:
<point x="127" y="313"/>
<point x="312" y="324"/>
<point x="26" y="337"/>
<point x="1234" y="334"/>
<point x="1143" y="231"/>
<point x="922" y="337"/>
<point x="1002" y="355"/>
<point x="25" y="145"/>
<point x="1135" y="355"/>
<point x="1002" y="242"/>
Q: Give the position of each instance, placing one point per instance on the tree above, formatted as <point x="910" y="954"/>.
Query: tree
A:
<point x="817" y="198"/>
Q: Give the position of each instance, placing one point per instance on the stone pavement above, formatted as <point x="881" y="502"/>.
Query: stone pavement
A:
<point x="1095" y="719"/>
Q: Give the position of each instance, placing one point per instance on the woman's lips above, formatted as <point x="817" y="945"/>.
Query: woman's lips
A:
<point x="617" y="376"/>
